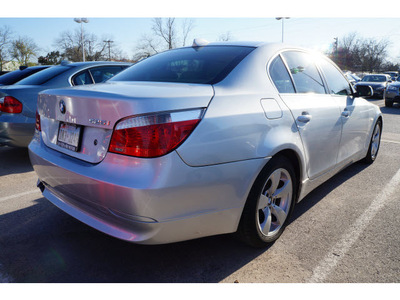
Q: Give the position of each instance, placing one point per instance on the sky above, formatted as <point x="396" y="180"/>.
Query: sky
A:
<point x="126" y="26"/>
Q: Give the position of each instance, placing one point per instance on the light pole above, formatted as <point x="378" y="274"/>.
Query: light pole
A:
<point x="81" y="21"/>
<point x="282" y="18"/>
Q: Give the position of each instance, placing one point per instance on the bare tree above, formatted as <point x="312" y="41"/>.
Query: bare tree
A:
<point x="187" y="27"/>
<point x="165" y="30"/>
<point x="146" y="46"/>
<point x="225" y="37"/>
<point x="349" y="41"/>
<point x="5" y="43"/>
<point x="360" y="54"/>
<point x="70" y="44"/>
<point x="372" y="54"/>
<point x="23" y="50"/>
<point x="164" y="36"/>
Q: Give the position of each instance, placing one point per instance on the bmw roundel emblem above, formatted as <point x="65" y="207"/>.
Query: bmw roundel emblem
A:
<point x="62" y="107"/>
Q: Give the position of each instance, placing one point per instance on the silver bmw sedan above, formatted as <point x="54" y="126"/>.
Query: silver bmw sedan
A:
<point x="210" y="139"/>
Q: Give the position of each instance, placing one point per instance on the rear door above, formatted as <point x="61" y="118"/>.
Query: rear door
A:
<point x="316" y="113"/>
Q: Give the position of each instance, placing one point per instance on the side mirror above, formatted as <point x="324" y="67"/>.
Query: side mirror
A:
<point x="363" y="91"/>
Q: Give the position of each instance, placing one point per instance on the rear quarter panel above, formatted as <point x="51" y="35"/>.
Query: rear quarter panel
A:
<point x="235" y="126"/>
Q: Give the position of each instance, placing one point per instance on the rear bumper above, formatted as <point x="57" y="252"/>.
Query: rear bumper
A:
<point x="147" y="201"/>
<point x="16" y="130"/>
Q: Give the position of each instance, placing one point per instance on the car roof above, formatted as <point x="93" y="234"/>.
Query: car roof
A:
<point x="256" y="44"/>
<point x="93" y="63"/>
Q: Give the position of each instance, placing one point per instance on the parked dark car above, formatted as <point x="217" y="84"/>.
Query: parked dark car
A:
<point x="21" y="73"/>
<point x="377" y="82"/>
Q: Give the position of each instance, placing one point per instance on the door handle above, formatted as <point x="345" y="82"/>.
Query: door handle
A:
<point x="305" y="117"/>
<point x="346" y="113"/>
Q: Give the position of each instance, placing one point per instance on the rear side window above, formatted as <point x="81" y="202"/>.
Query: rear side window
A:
<point x="337" y="84"/>
<point x="207" y="65"/>
<point x="43" y="76"/>
<point x="304" y="72"/>
<point x="280" y="76"/>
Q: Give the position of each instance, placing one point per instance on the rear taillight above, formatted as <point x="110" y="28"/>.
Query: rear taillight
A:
<point x="10" y="105"/>
<point x="37" y="123"/>
<point x="154" y="135"/>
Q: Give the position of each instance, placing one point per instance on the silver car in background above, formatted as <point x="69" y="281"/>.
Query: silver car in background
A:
<point x="18" y="101"/>
<point x="203" y="140"/>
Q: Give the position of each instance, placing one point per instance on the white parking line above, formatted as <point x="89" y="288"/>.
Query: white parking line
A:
<point x="388" y="141"/>
<point x="340" y="249"/>
<point x="19" y="195"/>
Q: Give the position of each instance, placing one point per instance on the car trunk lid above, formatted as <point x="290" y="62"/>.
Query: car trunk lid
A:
<point x="79" y="121"/>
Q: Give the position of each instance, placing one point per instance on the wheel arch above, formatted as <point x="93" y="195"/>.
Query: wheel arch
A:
<point x="297" y="165"/>
<point x="292" y="158"/>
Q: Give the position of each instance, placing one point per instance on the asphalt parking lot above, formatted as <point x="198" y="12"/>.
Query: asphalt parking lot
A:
<point x="344" y="231"/>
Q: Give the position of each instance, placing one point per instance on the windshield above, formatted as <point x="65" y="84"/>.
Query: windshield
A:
<point x="43" y="76"/>
<point x="207" y="65"/>
<point x="17" y="75"/>
<point x="374" y="78"/>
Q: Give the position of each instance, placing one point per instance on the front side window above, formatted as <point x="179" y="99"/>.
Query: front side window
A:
<point x="337" y="84"/>
<point x="82" y="78"/>
<point x="304" y="72"/>
<point x="280" y="76"/>
<point x="205" y="65"/>
<point x="101" y="74"/>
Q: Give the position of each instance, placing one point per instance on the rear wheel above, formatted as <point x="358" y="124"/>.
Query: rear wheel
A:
<point x="269" y="204"/>
<point x="374" y="143"/>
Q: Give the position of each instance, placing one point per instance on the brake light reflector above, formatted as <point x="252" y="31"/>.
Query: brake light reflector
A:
<point x="154" y="135"/>
<point x="10" y="105"/>
<point x="37" y="123"/>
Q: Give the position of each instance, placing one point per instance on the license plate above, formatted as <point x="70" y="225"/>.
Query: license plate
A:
<point x="69" y="136"/>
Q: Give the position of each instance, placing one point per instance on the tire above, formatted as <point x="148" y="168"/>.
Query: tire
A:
<point x="269" y="204"/>
<point x="388" y="103"/>
<point x="374" y="143"/>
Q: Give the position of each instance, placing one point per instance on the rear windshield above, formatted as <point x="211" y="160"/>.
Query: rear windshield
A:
<point x="13" y="77"/>
<point x="207" y="65"/>
<point x="44" y="76"/>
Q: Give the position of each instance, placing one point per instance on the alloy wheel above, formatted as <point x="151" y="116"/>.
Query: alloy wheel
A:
<point x="274" y="202"/>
